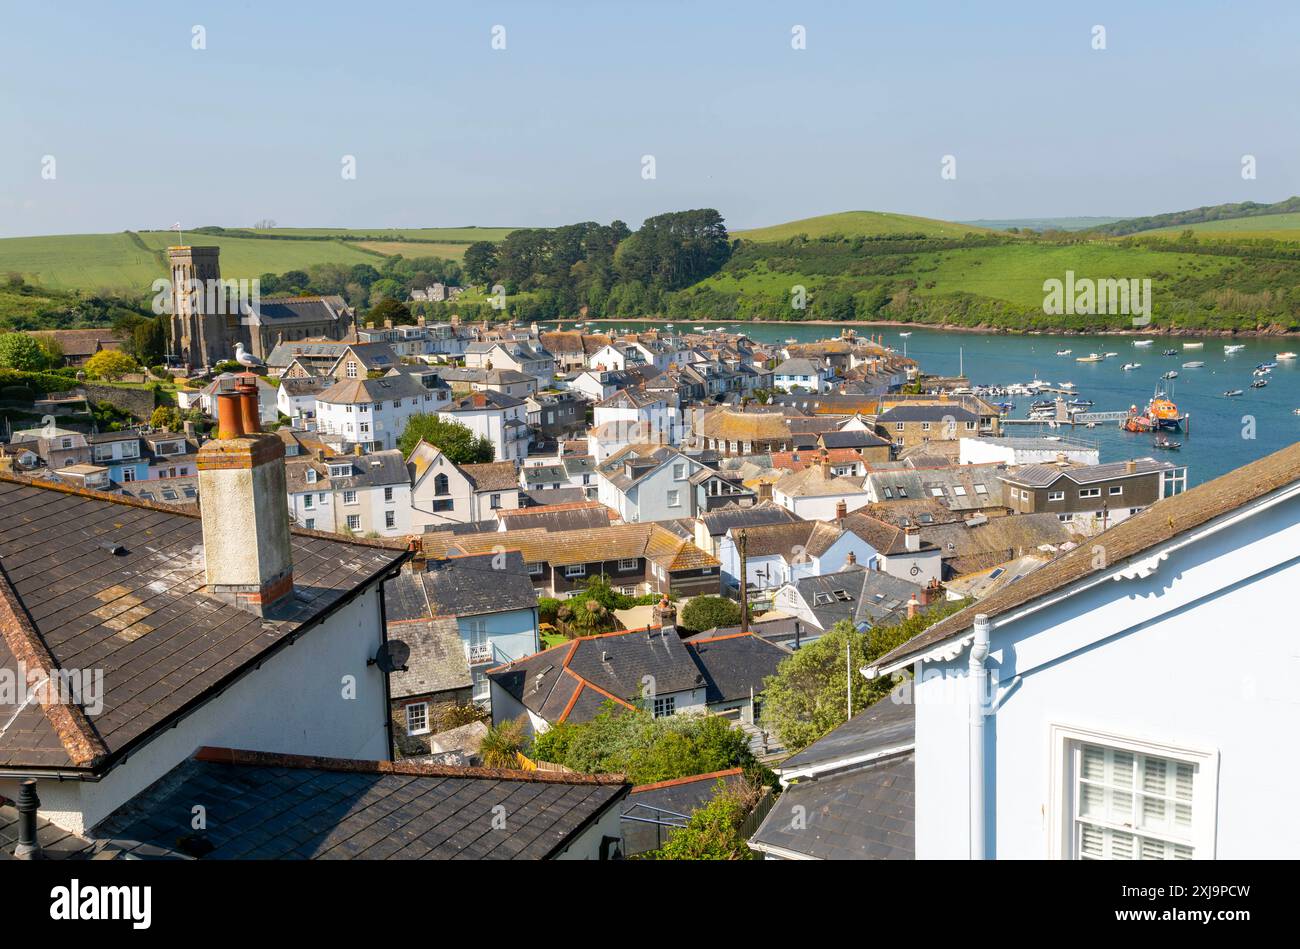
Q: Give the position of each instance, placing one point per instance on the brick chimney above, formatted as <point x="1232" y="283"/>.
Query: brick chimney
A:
<point x="826" y="465"/>
<point x="912" y="606"/>
<point x="665" y="613"/>
<point x="851" y="560"/>
<point x="247" y="553"/>
<point x="841" y="511"/>
<point x="1130" y="466"/>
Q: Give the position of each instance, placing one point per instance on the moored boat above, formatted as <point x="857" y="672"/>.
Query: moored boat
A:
<point x="1143" y="342"/>
<point x="1285" y="356"/>
<point x="1130" y="366"/>
<point x="1091" y="357"/>
<point x="1259" y="383"/>
<point x="1193" y="365"/>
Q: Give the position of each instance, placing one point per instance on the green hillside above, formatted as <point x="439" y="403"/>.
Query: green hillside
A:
<point x="1202" y="215"/>
<point x="1277" y="227"/>
<point x="129" y="262"/>
<point x="859" y="224"/>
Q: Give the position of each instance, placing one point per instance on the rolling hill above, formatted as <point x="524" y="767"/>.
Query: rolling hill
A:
<point x="858" y="224"/>
<point x="1277" y="227"/>
<point x="1202" y="215"/>
<point x="129" y="262"/>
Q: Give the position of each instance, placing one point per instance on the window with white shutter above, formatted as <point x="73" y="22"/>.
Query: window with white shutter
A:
<point x="1127" y="805"/>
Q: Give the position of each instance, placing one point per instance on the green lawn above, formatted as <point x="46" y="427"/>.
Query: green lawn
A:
<point x="859" y="224"/>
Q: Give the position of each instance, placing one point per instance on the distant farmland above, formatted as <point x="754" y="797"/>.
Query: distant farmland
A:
<point x="859" y="224"/>
<point x="129" y="262"/>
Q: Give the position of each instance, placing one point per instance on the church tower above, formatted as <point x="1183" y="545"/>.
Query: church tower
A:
<point x="200" y="332"/>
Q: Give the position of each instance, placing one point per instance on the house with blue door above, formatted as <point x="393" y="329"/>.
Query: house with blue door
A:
<point x="1128" y="700"/>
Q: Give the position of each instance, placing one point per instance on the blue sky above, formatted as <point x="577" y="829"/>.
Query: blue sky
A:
<point x="446" y="131"/>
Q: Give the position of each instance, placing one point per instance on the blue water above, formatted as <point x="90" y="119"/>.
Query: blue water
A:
<point x="1224" y="433"/>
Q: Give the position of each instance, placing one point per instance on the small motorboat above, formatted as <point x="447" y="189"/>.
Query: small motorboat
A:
<point x="1169" y="352"/>
<point x="1267" y="365"/>
<point x="1091" y="357"/>
<point x="1260" y="372"/>
<point x="1259" y="383"/>
<point x="1109" y="355"/>
<point x="904" y="335"/>
<point x="1193" y="365"/>
<point x="1171" y="374"/>
<point x="1064" y="352"/>
<point x="1193" y="345"/>
<point x="1065" y="385"/>
<point x="1233" y="348"/>
<point x="1130" y="366"/>
<point x="1082" y="403"/>
<point x="1232" y="393"/>
<point x="1143" y="342"/>
<point x="1285" y="356"/>
<point x="1164" y="444"/>
<point x="1137" y="423"/>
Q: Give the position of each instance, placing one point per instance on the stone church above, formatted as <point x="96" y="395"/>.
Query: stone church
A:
<point x="209" y="315"/>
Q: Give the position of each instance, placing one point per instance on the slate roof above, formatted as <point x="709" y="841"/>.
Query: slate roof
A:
<point x="958" y="487"/>
<point x="735" y="665"/>
<point x="573" y="681"/>
<point x="385" y="388"/>
<point x="812" y="482"/>
<point x="557" y="517"/>
<point x="731" y="425"/>
<point x="269" y="806"/>
<point x="968" y="548"/>
<point x="885" y="726"/>
<point x="492" y="475"/>
<point x="465" y="586"/>
<point x="887" y="539"/>
<point x="925" y="413"/>
<point x="857" y="595"/>
<point x="56" y="843"/>
<point x="437" y="662"/>
<point x="68" y="601"/>
<point x="377" y="469"/>
<point x="799" y="367"/>
<point x="487" y="399"/>
<point x="301" y="309"/>
<point x="867" y="814"/>
<point x="1159" y="523"/>
<point x="852" y="439"/>
<point x="854" y="810"/>
<point x="720" y="521"/>
<point x="790" y="540"/>
<point x="1043" y="476"/>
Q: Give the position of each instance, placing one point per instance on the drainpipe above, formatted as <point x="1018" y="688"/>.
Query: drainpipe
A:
<point x="978" y="691"/>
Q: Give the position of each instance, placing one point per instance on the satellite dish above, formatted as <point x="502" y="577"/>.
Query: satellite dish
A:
<point x="392" y="657"/>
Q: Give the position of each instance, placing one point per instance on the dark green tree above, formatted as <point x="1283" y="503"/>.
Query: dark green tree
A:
<point x="453" y="439"/>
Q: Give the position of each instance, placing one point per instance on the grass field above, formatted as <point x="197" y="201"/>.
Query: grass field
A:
<point x="410" y="249"/>
<point x="859" y="224"/>
<point x="457" y="235"/>
<point x="1278" y="227"/>
<point x="87" y="262"/>
<point x="1013" y="272"/>
<point x="129" y="263"/>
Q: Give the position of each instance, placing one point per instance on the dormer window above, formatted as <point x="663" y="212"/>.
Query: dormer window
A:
<point x="311" y="475"/>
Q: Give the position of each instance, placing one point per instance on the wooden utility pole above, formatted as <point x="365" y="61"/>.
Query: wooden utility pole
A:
<point x="744" y="582"/>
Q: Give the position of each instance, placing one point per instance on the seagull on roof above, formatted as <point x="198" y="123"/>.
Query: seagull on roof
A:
<point x="247" y="359"/>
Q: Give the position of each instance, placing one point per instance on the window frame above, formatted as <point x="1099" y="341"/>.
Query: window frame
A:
<point x="1062" y="782"/>
<point x="410" y="732"/>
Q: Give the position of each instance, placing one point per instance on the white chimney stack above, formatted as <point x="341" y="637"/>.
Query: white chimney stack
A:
<point x="912" y="538"/>
<point x="247" y="551"/>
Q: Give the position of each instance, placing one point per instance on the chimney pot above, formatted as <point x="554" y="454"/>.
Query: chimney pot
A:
<point x="28" y="847"/>
<point x="851" y="559"/>
<point x="841" y="510"/>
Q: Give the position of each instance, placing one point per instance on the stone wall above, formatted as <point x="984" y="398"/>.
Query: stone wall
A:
<point x="138" y="402"/>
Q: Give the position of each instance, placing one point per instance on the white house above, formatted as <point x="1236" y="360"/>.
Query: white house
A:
<point x="777" y="554"/>
<point x="296" y="398"/>
<point x="362" y="495"/>
<point x="501" y="419"/>
<point x="1027" y="450"/>
<point x="648" y="483"/>
<point x="801" y="375"/>
<point x="444" y="493"/>
<point x="372" y="413"/>
<point x="1067" y="715"/>
<point x="817" y="493"/>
